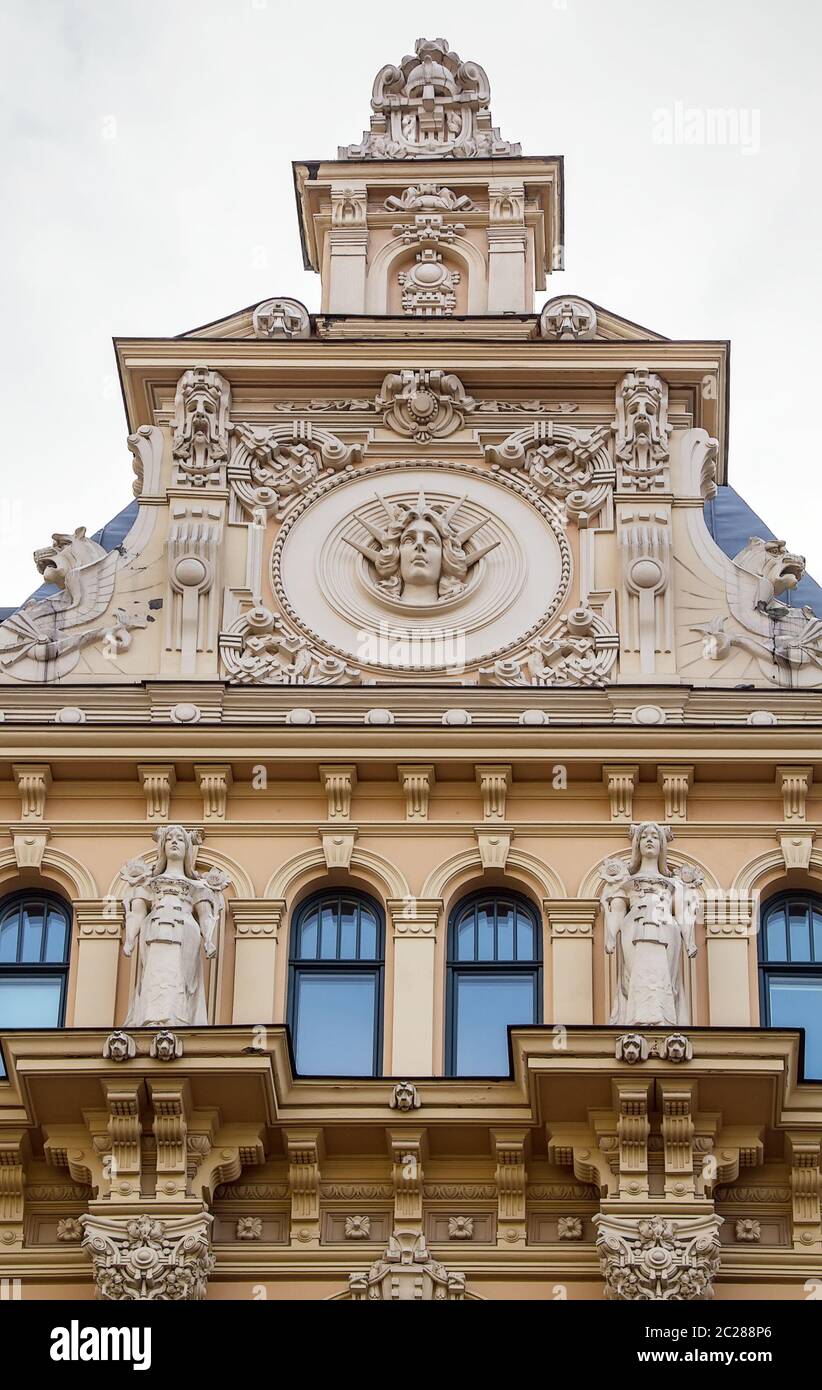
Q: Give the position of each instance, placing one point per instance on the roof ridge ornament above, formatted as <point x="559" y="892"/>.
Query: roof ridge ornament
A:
<point x="433" y="106"/>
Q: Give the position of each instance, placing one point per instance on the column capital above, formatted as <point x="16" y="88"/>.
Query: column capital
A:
<point x="257" y="916"/>
<point x="571" y="916"/>
<point x="415" y="917"/>
<point x="99" y="916"/>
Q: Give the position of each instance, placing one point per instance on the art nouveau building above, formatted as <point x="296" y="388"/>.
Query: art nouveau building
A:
<point x="434" y="683"/>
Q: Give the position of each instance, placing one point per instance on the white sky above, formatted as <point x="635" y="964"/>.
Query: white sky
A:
<point x="146" y="189"/>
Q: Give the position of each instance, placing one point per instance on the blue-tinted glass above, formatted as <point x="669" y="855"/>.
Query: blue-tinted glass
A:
<point x="505" y="932"/>
<point x="328" y="931"/>
<point x="465" y="937"/>
<point x="485" y="933"/>
<point x="29" y="1001"/>
<point x="368" y="934"/>
<point x="525" y="936"/>
<point x="485" y="1005"/>
<point x="776" y="939"/>
<point x="817" y="934"/>
<point x="308" y="936"/>
<point x="335" y="1020"/>
<point x="8" y="936"/>
<point x="348" y="931"/>
<point x="799" y="927"/>
<point x="797" y="1003"/>
<point x="55" y="935"/>
<point x="33" y="925"/>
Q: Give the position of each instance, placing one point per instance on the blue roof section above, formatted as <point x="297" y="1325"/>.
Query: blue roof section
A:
<point x="109" y="537"/>
<point x="732" y="522"/>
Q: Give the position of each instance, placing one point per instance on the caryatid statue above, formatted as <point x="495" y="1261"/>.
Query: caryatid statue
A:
<point x="172" y="915"/>
<point x="420" y="555"/>
<point x="650" y="913"/>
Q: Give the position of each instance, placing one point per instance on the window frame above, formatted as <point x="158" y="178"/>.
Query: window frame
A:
<point x="454" y="967"/>
<point x="785" y="968"/>
<point x="41" y="969"/>
<point x="299" y="965"/>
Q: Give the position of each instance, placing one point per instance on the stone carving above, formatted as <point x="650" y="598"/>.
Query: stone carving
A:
<point x="460" y="1228"/>
<point x="357" y="1227"/>
<point x="631" y="1048"/>
<point x="787" y="641"/>
<point x="432" y="106"/>
<point x="645" y="547"/>
<point x="569" y="1228"/>
<point x="149" y="1259"/>
<point x="119" y="1047"/>
<point x="641" y="429"/>
<point x="581" y="649"/>
<point x="405" y="1096"/>
<point x="428" y="197"/>
<point x="193" y="553"/>
<point x="201" y="425"/>
<point x="677" y="1048"/>
<point x="573" y="466"/>
<point x="419" y="554"/>
<point x="173" y="913"/>
<point x="42" y="641"/>
<point x="260" y="648"/>
<point x="651" y="1259"/>
<point x="69" y="1229"/>
<point x="568" y="320"/>
<point x="407" y="1273"/>
<point x="281" y="318"/>
<point x="650" y="913"/>
<point x="747" y="1229"/>
<point x="429" y="286"/>
<point x="424" y="405"/>
<point x="165" y="1046"/>
<point x="249" y="1228"/>
<point x="271" y="466"/>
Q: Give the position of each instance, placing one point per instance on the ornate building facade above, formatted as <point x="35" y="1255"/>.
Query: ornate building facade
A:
<point x="410" y="885"/>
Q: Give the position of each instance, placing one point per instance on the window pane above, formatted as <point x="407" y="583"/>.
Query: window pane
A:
<point x="348" y="930"/>
<point x="328" y="931"/>
<point x="800" y="933"/>
<point x="8" y="936"/>
<point x="307" y="946"/>
<point x="465" y="937"/>
<point x="776" y="942"/>
<point x="505" y="932"/>
<point x="817" y="934"/>
<point x="484" y="1007"/>
<point x="368" y="934"/>
<point x="485" y="933"/>
<point x="33" y="924"/>
<point x="797" y="1003"/>
<point x="335" y="1019"/>
<point x="29" y="1001"/>
<point x="525" y="937"/>
<point x="56" y="944"/>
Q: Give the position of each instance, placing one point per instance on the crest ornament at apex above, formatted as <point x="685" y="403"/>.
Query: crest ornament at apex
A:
<point x="281" y="318"/>
<point x="432" y="106"/>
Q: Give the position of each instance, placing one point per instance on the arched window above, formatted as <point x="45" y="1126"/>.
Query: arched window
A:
<point x="35" y="937"/>
<point x="336" y="985"/>
<point x="494" y="979"/>
<point x="790" y="968"/>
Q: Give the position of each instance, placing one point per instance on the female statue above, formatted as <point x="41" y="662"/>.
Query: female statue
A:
<point x="173" y="912"/>
<point x="649" y="917"/>
<point x="420" y="555"/>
